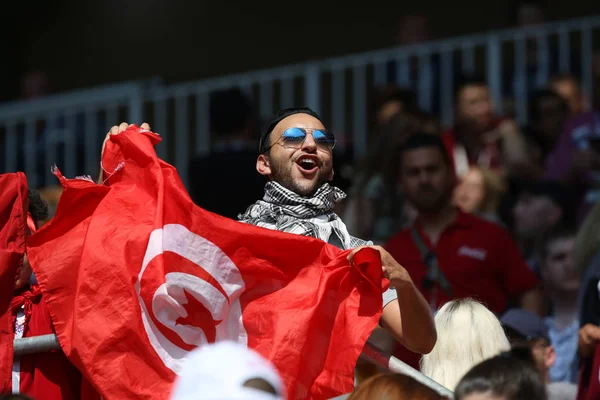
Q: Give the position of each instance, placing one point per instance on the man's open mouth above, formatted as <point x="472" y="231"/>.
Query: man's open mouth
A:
<point x="308" y="163"/>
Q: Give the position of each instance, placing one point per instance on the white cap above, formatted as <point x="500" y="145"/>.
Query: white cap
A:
<point x="219" y="371"/>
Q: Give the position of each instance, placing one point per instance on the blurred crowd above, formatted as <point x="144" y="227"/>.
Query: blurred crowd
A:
<point x="517" y="232"/>
<point x="497" y="223"/>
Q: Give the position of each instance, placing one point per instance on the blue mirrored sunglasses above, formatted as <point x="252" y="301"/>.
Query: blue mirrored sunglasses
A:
<point x="294" y="138"/>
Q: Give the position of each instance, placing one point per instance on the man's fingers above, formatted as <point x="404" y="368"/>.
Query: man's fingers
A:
<point x="145" y="126"/>
<point x="114" y="130"/>
<point x="353" y="253"/>
<point x="593" y="332"/>
<point x="123" y="126"/>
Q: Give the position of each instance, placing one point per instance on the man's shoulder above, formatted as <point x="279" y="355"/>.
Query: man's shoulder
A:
<point x="479" y="222"/>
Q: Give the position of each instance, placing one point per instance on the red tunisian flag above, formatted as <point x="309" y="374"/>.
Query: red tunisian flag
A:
<point x="135" y="276"/>
<point x="13" y="216"/>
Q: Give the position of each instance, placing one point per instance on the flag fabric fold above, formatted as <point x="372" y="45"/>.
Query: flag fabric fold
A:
<point x="135" y="276"/>
<point x="13" y="217"/>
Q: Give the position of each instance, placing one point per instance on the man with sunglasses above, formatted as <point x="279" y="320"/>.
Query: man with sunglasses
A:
<point x="295" y="154"/>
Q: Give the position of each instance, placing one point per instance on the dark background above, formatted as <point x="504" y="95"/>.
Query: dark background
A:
<point x="88" y="43"/>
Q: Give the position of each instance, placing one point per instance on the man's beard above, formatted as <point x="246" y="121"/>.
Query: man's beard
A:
<point x="283" y="176"/>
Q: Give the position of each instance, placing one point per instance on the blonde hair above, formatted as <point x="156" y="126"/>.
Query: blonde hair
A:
<point x="468" y="333"/>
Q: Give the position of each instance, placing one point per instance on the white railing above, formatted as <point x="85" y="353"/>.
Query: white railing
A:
<point x="44" y="343"/>
<point x="33" y="133"/>
<point x="337" y="88"/>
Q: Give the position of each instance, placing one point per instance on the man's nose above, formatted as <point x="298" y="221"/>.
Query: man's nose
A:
<point x="424" y="178"/>
<point x="309" y="144"/>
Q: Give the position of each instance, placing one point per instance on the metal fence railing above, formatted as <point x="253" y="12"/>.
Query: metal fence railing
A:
<point x="67" y="129"/>
<point x="39" y="344"/>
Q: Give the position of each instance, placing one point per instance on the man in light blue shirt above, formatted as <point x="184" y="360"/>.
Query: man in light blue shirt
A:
<point x="561" y="282"/>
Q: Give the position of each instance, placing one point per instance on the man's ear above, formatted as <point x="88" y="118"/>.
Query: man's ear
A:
<point x="550" y="357"/>
<point x="330" y="177"/>
<point x="263" y="165"/>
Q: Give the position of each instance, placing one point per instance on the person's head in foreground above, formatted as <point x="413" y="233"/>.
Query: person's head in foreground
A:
<point x="227" y="370"/>
<point x="524" y="328"/>
<point x="392" y="386"/>
<point x="296" y="151"/>
<point x="503" y="377"/>
<point x="468" y="333"/>
<point x="14" y="396"/>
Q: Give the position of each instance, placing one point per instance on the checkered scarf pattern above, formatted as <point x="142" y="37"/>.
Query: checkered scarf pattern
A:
<point x="283" y="210"/>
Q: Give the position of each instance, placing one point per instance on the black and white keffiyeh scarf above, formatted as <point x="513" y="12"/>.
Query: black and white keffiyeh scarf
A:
<point x="283" y="210"/>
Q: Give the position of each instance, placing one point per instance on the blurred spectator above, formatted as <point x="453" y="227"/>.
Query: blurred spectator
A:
<point x="561" y="282"/>
<point x="390" y="385"/>
<point x="422" y="77"/>
<point x="34" y="84"/>
<point x="576" y="159"/>
<point x="479" y="192"/>
<point x="413" y="29"/>
<point x="451" y="254"/>
<point x="525" y="329"/>
<point x="586" y="256"/>
<point x="393" y="386"/>
<point x="540" y="206"/>
<point x="14" y="397"/>
<point x="568" y="87"/>
<point x="554" y="390"/>
<point x="482" y="138"/>
<point x="387" y="101"/>
<point x="548" y="113"/>
<point x="42" y="375"/>
<point x="530" y="13"/>
<point x="589" y="351"/>
<point x="503" y="377"/>
<point x="468" y="333"/>
<point x="227" y="370"/>
<point x="587" y="261"/>
<point x="376" y="208"/>
<point x="51" y="195"/>
<point x="542" y="58"/>
<point x="225" y="181"/>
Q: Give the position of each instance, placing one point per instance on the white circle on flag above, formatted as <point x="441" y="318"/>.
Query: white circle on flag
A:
<point x="168" y="303"/>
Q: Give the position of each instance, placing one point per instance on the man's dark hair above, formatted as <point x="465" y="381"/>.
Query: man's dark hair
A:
<point x="38" y="208"/>
<point x="263" y="144"/>
<point x="503" y="376"/>
<point x="468" y="81"/>
<point x="522" y="352"/>
<point x="521" y="345"/>
<point x="423" y="141"/>
<point x="559" y="193"/>
<point x="383" y="95"/>
<point x="543" y="94"/>
<point x="561" y="231"/>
